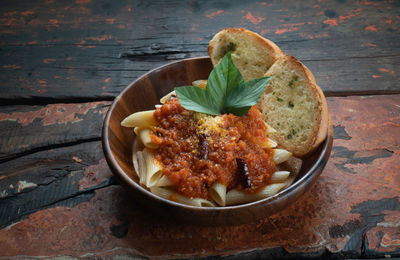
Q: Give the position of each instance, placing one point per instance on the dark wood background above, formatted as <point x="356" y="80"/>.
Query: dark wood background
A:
<point x="63" y="62"/>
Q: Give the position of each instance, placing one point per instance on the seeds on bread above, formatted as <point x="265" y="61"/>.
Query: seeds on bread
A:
<point x="251" y="53"/>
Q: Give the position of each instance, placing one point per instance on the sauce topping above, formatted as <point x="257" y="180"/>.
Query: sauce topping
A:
<point x="196" y="150"/>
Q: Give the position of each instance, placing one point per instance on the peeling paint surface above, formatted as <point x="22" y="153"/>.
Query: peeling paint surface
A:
<point x="254" y="19"/>
<point x="51" y="114"/>
<point x="21" y="185"/>
<point x="350" y="203"/>
<point x="96" y="53"/>
<point x="332" y="22"/>
<point x="94" y="175"/>
<point x="371" y="28"/>
<point x="63" y="62"/>
<point x="213" y="14"/>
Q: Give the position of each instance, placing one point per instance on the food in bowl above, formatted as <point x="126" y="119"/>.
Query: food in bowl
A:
<point x="292" y="90"/>
<point x="202" y="156"/>
<point x="195" y="158"/>
<point x="209" y="144"/>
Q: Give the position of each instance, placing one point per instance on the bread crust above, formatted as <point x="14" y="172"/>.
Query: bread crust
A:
<point x="273" y="49"/>
<point x="319" y="130"/>
<point x="324" y="123"/>
<point x="320" y="136"/>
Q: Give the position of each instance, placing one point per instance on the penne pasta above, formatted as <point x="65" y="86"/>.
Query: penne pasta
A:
<point x="187" y="136"/>
<point x="135" y="163"/>
<point x="272" y="143"/>
<point x="142" y="167"/>
<point x="174" y="196"/>
<point x="140" y="119"/>
<point x="279" y="176"/>
<point x="164" y="181"/>
<point x="269" y="144"/>
<point x="202" y="83"/>
<point x="234" y="196"/>
<point x="153" y="170"/>
<point x="167" y="97"/>
<point x="144" y="135"/>
<point x="270" y="129"/>
<point x="142" y="172"/>
<point x="281" y="155"/>
<point x="218" y="193"/>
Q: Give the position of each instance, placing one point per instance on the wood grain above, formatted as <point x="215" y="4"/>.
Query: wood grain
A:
<point x="28" y="129"/>
<point x="91" y="50"/>
<point x="62" y="62"/>
<point x="142" y="95"/>
<point x="51" y="178"/>
<point x="349" y="212"/>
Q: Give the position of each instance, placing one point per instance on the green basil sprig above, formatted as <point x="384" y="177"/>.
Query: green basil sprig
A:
<point x="226" y="91"/>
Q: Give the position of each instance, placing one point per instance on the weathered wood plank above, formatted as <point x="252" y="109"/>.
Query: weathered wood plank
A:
<point x="105" y="75"/>
<point x="51" y="178"/>
<point x="94" y="49"/>
<point x="352" y="211"/>
<point x="24" y="129"/>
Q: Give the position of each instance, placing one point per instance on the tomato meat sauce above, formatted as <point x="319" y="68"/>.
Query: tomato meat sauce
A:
<point x="196" y="150"/>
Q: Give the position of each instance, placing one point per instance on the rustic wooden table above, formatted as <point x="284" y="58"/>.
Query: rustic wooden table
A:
<point x="63" y="62"/>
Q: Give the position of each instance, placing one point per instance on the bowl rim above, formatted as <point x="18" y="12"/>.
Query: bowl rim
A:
<point x="325" y="147"/>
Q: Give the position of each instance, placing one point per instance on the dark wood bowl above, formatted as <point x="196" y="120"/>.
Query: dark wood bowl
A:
<point x="143" y="94"/>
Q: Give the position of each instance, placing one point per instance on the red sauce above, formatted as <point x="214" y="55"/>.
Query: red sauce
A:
<point x="194" y="160"/>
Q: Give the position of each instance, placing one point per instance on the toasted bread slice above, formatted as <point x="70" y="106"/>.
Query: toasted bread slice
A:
<point x="294" y="106"/>
<point x="251" y="53"/>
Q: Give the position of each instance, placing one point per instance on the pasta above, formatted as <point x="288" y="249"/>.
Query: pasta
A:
<point x="174" y="196"/>
<point x="234" y="196"/>
<point x="279" y="176"/>
<point x="164" y="181"/>
<point x="144" y="135"/>
<point x="272" y="143"/>
<point x="281" y="155"/>
<point x="169" y="179"/>
<point x="167" y="97"/>
<point x="140" y="119"/>
<point x="142" y="167"/>
<point x="153" y="170"/>
<point x="218" y="193"/>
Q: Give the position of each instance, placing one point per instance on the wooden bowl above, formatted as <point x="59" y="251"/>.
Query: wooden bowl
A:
<point x="117" y="141"/>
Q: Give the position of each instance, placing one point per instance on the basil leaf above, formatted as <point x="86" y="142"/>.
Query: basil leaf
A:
<point x="226" y="91"/>
<point x="239" y="111"/>
<point x="223" y="78"/>
<point x="196" y="99"/>
<point x="239" y="100"/>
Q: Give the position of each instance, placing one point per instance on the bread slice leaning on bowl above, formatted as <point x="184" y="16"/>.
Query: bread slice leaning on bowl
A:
<point x="295" y="106"/>
<point x="251" y="53"/>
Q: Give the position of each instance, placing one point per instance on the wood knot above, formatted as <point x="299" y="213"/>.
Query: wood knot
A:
<point x="155" y="46"/>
